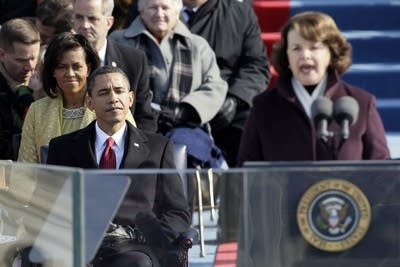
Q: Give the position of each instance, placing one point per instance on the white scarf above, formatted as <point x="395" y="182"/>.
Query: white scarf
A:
<point x="304" y="97"/>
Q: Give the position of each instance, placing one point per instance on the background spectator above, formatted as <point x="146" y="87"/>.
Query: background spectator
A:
<point x="93" y="19"/>
<point x="19" y="53"/>
<point x="310" y="57"/>
<point x="53" y="17"/>
<point x="232" y="30"/>
<point x="185" y="78"/>
<point x="68" y="61"/>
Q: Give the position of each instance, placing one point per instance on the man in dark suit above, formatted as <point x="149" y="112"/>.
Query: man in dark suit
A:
<point x="155" y="203"/>
<point x="93" y="19"/>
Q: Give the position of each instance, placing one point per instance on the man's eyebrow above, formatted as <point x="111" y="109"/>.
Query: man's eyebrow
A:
<point x="104" y="89"/>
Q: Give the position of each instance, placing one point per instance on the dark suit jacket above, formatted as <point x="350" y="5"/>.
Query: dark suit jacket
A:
<point x="134" y="63"/>
<point x="238" y="47"/>
<point x="154" y="202"/>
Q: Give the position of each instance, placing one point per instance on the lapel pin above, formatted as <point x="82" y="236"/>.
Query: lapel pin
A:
<point x="113" y="64"/>
<point x="136" y="144"/>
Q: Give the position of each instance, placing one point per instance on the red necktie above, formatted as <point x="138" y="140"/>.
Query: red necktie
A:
<point x="108" y="159"/>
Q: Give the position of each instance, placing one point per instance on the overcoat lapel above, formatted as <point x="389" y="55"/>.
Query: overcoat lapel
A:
<point x="136" y="149"/>
<point x="84" y="145"/>
<point x="111" y="54"/>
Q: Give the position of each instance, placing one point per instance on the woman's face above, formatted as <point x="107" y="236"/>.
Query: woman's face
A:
<point x="71" y="71"/>
<point x="159" y="16"/>
<point x="308" y="60"/>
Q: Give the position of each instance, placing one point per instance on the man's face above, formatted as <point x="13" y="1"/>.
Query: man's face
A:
<point x="90" y="21"/>
<point x="159" y="16"/>
<point x="111" y="101"/>
<point x="20" y="61"/>
<point x="46" y="32"/>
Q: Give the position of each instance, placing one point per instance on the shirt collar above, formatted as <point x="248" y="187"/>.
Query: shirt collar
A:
<point x="102" y="53"/>
<point x="118" y="137"/>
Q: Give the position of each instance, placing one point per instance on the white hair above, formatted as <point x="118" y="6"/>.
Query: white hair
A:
<point x="107" y="7"/>
<point x="178" y="4"/>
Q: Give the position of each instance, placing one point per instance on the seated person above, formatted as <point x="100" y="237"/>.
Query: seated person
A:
<point x="185" y="78"/>
<point x="19" y="54"/>
<point x="68" y="61"/>
<point x="52" y="18"/>
<point x="152" y="213"/>
<point x="93" y="19"/>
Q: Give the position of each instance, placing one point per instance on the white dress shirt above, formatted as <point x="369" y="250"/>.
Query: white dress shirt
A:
<point x="118" y="147"/>
<point x="102" y="54"/>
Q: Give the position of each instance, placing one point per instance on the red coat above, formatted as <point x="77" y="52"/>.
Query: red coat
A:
<point x="278" y="129"/>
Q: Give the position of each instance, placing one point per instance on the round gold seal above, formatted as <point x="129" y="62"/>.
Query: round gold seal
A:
<point x="333" y="215"/>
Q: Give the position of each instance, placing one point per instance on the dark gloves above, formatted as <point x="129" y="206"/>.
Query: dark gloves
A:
<point x="165" y="121"/>
<point x="183" y="114"/>
<point x="24" y="100"/>
<point x="119" y="239"/>
<point x="119" y="234"/>
<point x="225" y="115"/>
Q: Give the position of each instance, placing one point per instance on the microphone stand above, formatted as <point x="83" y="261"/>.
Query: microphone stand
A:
<point x="334" y="144"/>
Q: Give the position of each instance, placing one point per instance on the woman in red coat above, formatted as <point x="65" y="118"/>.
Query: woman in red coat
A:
<point x="310" y="57"/>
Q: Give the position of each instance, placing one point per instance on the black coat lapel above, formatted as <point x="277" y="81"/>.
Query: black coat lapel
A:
<point x="110" y="54"/>
<point x="84" y="146"/>
<point x="136" y="148"/>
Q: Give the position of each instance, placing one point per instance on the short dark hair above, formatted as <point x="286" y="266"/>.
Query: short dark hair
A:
<point x="104" y="70"/>
<point x="18" y="31"/>
<point x="58" y="46"/>
<point x="57" y="14"/>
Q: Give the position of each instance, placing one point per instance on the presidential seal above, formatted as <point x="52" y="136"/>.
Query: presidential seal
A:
<point x="333" y="215"/>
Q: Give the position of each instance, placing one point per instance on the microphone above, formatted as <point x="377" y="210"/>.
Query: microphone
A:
<point x="321" y="112"/>
<point x="346" y="114"/>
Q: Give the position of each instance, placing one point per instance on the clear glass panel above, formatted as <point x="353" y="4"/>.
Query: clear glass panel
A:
<point x="266" y="214"/>
<point x="321" y="214"/>
<point x="37" y="211"/>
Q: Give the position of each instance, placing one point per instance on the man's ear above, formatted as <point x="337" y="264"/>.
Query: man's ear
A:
<point x="89" y="102"/>
<point x="110" y="21"/>
<point x="131" y="98"/>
